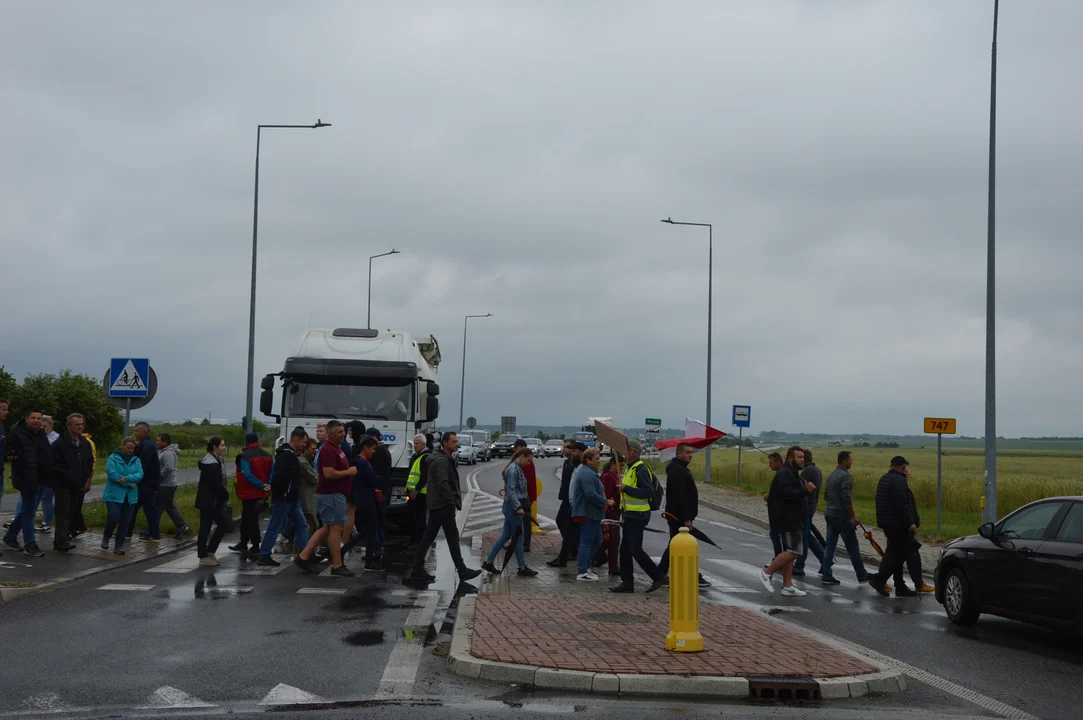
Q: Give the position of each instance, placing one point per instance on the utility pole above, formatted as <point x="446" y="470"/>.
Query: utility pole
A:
<point x="989" y="512"/>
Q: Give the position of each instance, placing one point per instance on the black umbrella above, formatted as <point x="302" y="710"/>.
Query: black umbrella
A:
<point x="695" y="532"/>
<point x="620" y="523"/>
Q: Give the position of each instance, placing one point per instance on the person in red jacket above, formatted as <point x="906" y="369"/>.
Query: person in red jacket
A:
<point x="252" y="487"/>
<point x="611" y="533"/>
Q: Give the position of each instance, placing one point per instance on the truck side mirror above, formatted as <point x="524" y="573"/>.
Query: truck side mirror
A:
<point x="434" y="390"/>
<point x="432" y="408"/>
<point x="267" y="383"/>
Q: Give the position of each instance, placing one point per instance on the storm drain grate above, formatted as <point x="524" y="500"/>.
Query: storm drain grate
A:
<point x="618" y="618"/>
<point x="786" y="689"/>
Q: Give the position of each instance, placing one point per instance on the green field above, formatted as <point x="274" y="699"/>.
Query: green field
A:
<point x="1022" y="476"/>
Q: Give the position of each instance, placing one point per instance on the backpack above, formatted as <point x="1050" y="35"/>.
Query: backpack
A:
<point x="658" y="493"/>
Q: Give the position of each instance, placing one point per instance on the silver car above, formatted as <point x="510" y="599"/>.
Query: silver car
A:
<point x="554" y="447"/>
<point x="535" y="446"/>
<point x="468" y="451"/>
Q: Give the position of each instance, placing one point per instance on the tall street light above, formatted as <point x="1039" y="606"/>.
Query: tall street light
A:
<point x="710" y="304"/>
<point x="462" y="383"/>
<point x="990" y="511"/>
<point x="252" y="308"/>
<point x="368" y="319"/>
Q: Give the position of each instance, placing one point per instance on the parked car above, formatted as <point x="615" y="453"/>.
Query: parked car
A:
<point x="481" y="442"/>
<point x="1028" y="567"/>
<point x="535" y="446"/>
<point x="468" y="451"/>
<point x="505" y="445"/>
<point x="554" y="448"/>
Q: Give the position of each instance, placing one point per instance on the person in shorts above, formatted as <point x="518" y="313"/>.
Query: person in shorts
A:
<point x="786" y="513"/>
<point x="333" y="486"/>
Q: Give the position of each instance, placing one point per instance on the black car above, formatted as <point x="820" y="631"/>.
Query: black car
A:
<point x="1028" y="566"/>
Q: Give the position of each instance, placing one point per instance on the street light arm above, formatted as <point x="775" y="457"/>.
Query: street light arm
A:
<point x="313" y="126"/>
<point x="671" y="221"/>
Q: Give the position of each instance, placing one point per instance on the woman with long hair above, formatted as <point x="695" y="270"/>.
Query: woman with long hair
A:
<point x="514" y="511"/>
<point x="212" y="497"/>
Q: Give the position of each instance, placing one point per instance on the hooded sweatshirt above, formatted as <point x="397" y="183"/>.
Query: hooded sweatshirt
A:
<point x="167" y="460"/>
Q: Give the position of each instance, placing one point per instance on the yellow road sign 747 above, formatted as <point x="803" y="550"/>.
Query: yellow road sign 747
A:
<point x="940" y="426"/>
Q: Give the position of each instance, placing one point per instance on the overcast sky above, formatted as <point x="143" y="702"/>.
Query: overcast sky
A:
<point x="521" y="155"/>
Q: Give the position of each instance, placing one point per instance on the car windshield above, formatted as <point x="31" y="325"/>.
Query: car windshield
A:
<point x="465" y="441"/>
<point x="532" y="441"/>
<point x="554" y="443"/>
<point x="507" y="438"/>
<point x="349" y="401"/>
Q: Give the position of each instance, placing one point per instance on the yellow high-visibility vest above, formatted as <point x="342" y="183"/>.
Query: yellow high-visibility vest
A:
<point x="415" y="476"/>
<point x="629" y="503"/>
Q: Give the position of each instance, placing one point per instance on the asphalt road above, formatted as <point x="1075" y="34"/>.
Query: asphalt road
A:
<point x="1028" y="668"/>
<point x="166" y="636"/>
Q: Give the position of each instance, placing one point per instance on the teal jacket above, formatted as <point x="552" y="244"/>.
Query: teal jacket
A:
<point x="117" y="467"/>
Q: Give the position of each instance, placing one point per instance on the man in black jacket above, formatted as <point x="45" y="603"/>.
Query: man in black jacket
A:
<point x="73" y="468"/>
<point x="147" y="452"/>
<point x="786" y="513"/>
<point x="31" y="470"/>
<point x="896" y="517"/>
<point x="682" y="501"/>
<point x="285" y="497"/>
<point x="569" y="529"/>
<point x="810" y="473"/>
<point x="444" y="500"/>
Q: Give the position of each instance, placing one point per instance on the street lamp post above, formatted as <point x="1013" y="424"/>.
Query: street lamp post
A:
<point x="462" y="383"/>
<point x="252" y="299"/>
<point x="990" y="511"/>
<point x="368" y="318"/>
<point x="710" y="305"/>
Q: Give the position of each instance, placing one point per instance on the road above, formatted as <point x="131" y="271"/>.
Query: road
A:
<point x="167" y="636"/>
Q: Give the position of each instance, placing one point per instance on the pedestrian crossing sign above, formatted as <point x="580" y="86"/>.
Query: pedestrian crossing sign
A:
<point x="129" y="377"/>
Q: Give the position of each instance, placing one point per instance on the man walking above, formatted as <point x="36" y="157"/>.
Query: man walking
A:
<point x="894" y="515"/>
<point x="334" y="485"/>
<point x="417" y="488"/>
<point x="73" y="468"/>
<point x="31" y="469"/>
<point x="147" y="452"/>
<point x="682" y="502"/>
<point x="368" y="517"/>
<point x="444" y="501"/>
<point x="637" y="489"/>
<point x="811" y="474"/>
<point x="168" y="453"/>
<point x="774" y="462"/>
<point x="252" y="487"/>
<point x="309" y="482"/>
<point x="786" y="513"/>
<point x="841" y="520"/>
<point x="285" y="497"/>
<point x="569" y="529"/>
<point x="78" y="522"/>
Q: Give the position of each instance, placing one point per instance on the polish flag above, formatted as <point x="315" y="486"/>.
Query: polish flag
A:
<point x="696" y="434"/>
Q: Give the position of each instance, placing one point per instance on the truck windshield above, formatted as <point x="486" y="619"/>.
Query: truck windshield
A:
<point x="349" y="401"/>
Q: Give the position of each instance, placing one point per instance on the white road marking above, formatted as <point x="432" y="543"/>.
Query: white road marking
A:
<point x="321" y="591"/>
<point x="183" y="564"/>
<point x="285" y="561"/>
<point x="171" y="697"/>
<point x="401" y="670"/>
<point x="122" y="586"/>
<point x="283" y="694"/>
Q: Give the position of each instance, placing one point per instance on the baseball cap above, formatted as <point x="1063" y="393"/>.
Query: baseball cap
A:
<point x="635" y="445"/>
<point x="519" y="443"/>
<point x="898" y="461"/>
<point x="374" y="432"/>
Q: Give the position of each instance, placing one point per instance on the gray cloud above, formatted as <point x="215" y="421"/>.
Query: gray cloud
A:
<point x="521" y="156"/>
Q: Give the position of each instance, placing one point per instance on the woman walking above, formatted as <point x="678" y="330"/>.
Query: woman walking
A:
<point x="588" y="508"/>
<point x="211" y="501"/>
<point x="515" y="503"/>
<point x="123" y="471"/>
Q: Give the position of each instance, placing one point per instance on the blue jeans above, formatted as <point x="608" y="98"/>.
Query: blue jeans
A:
<point x="842" y="527"/>
<point x="47" y="507"/>
<point x="811" y="543"/>
<point x="118" y="518"/>
<point x="148" y="501"/>
<point x="25" y="510"/>
<point x="512" y="522"/>
<point x="281" y="512"/>
<point x="590" y="537"/>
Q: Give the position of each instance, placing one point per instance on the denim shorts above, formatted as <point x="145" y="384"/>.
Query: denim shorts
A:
<point x="332" y="508"/>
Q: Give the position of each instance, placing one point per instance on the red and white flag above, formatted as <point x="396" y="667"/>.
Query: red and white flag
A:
<point x="697" y="434"/>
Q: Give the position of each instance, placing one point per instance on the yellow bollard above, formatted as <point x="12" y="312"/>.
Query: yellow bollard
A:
<point x="534" y="529"/>
<point x="684" y="594"/>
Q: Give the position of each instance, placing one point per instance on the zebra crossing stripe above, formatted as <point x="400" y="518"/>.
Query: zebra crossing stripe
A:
<point x="126" y="587"/>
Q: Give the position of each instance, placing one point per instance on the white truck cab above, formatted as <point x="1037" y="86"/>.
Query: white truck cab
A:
<point x="386" y="379"/>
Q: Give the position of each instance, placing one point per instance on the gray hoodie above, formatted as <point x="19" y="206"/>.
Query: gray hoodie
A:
<point x="168" y="460"/>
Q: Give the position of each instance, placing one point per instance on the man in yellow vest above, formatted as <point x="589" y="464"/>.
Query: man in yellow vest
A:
<point x="417" y="488"/>
<point x="636" y="490"/>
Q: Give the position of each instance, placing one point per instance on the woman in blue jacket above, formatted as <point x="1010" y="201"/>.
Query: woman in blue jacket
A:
<point x="515" y="504"/>
<point x="588" y="508"/>
<point x="123" y="471"/>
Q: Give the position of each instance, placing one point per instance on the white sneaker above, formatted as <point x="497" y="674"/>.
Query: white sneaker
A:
<point x="209" y="560"/>
<point x="767" y="581"/>
<point x="791" y="591"/>
<point x="587" y="577"/>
